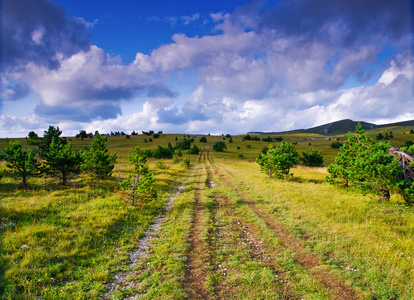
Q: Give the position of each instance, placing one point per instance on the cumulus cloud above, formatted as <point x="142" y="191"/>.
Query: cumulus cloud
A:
<point x="89" y="84"/>
<point x="38" y="31"/>
<point x="305" y="47"/>
<point x="262" y="67"/>
<point x="11" y="126"/>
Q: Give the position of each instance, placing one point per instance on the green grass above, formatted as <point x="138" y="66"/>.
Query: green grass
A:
<point x="372" y="242"/>
<point x="67" y="242"/>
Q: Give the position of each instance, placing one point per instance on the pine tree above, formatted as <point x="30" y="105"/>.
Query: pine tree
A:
<point x="96" y="160"/>
<point x="367" y="165"/>
<point x="61" y="161"/>
<point x="21" y="164"/>
<point x="47" y="139"/>
<point x="139" y="184"/>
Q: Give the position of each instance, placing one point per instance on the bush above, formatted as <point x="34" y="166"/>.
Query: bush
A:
<point x="279" y="160"/>
<point x="194" y="150"/>
<point x="203" y="139"/>
<point x="161" y="165"/>
<point x="312" y="158"/>
<point x="184" y="144"/>
<point x="163" y="152"/>
<point x="219" y="146"/>
<point x="140" y="184"/>
<point x="185" y="163"/>
<point x="336" y="145"/>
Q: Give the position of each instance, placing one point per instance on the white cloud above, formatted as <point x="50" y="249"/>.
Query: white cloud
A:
<point x="37" y="36"/>
<point x="188" y="19"/>
<point x="91" y="79"/>
<point x="265" y="70"/>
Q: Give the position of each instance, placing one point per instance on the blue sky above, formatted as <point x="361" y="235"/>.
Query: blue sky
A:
<point x="203" y="66"/>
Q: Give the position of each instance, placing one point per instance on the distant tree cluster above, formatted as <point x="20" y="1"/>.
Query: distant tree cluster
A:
<point x="55" y="157"/>
<point x="251" y="138"/>
<point x="117" y="133"/>
<point x="83" y="135"/>
<point x="152" y="133"/>
<point x="168" y="152"/>
<point x="265" y="139"/>
<point x="387" y="136"/>
<point x="368" y="165"/>
<point x="272" y="139"/>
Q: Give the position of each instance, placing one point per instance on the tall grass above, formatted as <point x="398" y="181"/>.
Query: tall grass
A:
<point x="371" y="242"/>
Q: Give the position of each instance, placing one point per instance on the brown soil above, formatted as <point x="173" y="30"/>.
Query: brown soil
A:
<point x="196" y="274"/>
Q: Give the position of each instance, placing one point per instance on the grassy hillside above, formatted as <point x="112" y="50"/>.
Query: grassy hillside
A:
<point x="230" y="232"/>
<point x="344" y="126"/>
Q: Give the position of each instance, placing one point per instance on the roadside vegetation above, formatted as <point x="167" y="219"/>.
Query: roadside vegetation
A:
<point x="230" y="231"/>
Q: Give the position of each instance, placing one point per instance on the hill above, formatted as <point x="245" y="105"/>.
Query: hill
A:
<point x="340" y="127"/>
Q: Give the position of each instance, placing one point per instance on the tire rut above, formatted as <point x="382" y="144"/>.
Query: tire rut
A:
<point x="336" y="288"/>
<point x="197" y="274"/>
<point x="256" y="249"/>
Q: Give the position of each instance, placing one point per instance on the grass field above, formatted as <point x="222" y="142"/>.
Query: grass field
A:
<point x="230" y="231"/>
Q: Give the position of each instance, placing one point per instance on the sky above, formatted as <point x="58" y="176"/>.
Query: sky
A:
<point x="218" y="67"/>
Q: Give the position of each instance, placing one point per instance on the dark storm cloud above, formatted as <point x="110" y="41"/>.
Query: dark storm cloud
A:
<point x="84" y="113"/>
<point x="35" y="31"/>
<point x="342" y="22"/>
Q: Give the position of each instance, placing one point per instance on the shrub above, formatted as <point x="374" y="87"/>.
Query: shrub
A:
<point x="194" y="150"/>
<point x="279" y="160"/>
<point x="184" y="144"/>
<point x="161" y="165"/>
<point x="163" y="152"/>
<point x="336" y="145"/>
<point x="312" y="158"/>
<point x="219" y="146"/>
<point x="140" y="184"/>
<point x="185" y="163"/>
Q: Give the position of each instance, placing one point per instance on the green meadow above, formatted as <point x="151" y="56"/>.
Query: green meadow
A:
<point x="231" y="232"/>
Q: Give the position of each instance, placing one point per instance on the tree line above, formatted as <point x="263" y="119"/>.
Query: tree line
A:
<point x="54" y="157"/>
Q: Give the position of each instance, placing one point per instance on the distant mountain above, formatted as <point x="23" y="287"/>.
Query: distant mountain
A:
<point x="340" y="127"/>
